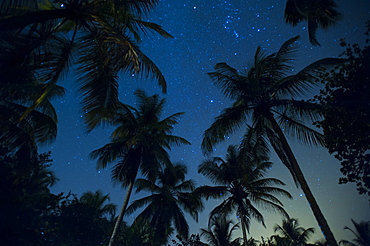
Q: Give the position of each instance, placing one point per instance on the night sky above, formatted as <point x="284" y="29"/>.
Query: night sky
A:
<point x="205" y="33"/>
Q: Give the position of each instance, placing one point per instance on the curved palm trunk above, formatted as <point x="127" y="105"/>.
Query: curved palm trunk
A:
<point x="121" y="213"/>
<point x="323" y="224"/>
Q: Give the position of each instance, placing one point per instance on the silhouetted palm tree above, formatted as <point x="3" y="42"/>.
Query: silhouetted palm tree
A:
<point x="98" y="37"/>
<point x="139" y="143"/>
<point x="241" y="181"/>
<point x="318" y="14"/>
<point x="265" y="95"/>
<point x="171" y="196"/>
<point x="252" y="242"/>
<point x="219" y="231"/>
<point x="139" y="233"/>
<point x="291" y="234"/>
<point x="97" y="201"/>
<point x="361" y="232"/>
<point x="20" y="88"/>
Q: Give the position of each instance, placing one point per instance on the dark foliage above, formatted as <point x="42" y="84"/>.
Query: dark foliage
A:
<point x="318" y="14"/>
<point x="25" y="198"/>
<point x="347" y="115"/>
<point x="76" y="223"/>
<point x="193" y="240"/>
<point x="31" y="215"/>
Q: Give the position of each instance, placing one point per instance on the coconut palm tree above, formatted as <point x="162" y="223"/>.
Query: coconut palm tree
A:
<point x="171" y="196"/>
<point x="219" y="231"/>
<point x="97" y="201"/>
<point x="265" y="95"/>
<point x="240" y="179"/>
<point x="252" y="242"/>
<point x="139" y="233"/>
<point x="291" y="234"/>
<point x="318" y="14"/>
<point x="361" y="232"/>
<point x="99" y="38"/>
<point x="139" y="143"/>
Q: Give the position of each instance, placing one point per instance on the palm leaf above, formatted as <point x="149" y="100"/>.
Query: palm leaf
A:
<point x="230" y="120"/>
<point x="227" y="79"/>
<point x="299" y="130"/>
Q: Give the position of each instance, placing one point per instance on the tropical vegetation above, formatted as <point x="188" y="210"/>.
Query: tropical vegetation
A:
<point x="97" y="43"/>
<point x="240" y="181"/>
<point x="317" y="13"/>
<point x="220" y="231"/>
<point x="264" y="99"/>
<point x="171" y="196"/>
<point x="42" y="40"/>
<point x="361" y="233"/>
<point x="139" y="143"/>
<point x="290" y="233"/>
<point x="347" y="113"/>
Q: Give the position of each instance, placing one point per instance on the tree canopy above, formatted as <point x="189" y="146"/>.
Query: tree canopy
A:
<point x="347" y="114"/>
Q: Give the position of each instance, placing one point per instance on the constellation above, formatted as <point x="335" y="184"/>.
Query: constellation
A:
<point x="231" y="18"/>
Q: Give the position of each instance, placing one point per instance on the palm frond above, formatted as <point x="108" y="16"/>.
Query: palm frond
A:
<point x="304" y="110"/>
<point x="191" y="203"/>
<point x="145" y="185"/>
<point x="230" y="120"/>
<point x="254" y="145"/>
<point x="249" y="211"/>
<point x="287" y="49"/>
<point x="148" y="68"/>
<point x="291" y="15"/>
<point x="125" y="170"/>
<point x="224" y="208"/>
<point x="140" y="7"/>
<point x="185" y="185"/>
<point x="211" y="168"/>
<point x="108" y="153"/>
<point x="227" y="79"/>
<point x="312" y="28"/>
<point x="139" y="203"/>
<point x="299" y="130"/>
<point x="211" y="191"/>
<point x="145" y="26"/>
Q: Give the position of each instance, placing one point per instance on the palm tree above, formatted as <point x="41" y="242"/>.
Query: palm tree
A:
<point x="98" y="37"/>
<point x="240" y="179"/>
<point x="361" y="232"/>
<point x="139" y="143"/>
<point x="269" y="241"/>
<point x="265" y="95"/>
<point x="291" y="234"/>
<point x="192" y="240"/>
<point x="252" y="242"/>
<point x="139" y="233"/>
<point x="171" y="195"/>
<point x="219" y="231"/>
<point x="318" y="13"/>
<point x="97" y="201"/>
<point x="20" y="88"/>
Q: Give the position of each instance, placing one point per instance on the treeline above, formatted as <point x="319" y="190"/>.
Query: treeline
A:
<point x="32" y="215"/>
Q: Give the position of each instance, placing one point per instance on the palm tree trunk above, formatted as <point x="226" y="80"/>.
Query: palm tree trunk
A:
<point x="244" y="231"/>
<point x="121" y="213"/>
<point x="323" y="224"/>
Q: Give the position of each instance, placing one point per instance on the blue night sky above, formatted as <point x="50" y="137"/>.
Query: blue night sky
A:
<point x="205" y="33"/>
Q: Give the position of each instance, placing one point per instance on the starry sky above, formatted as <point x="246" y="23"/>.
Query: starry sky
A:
<point x="207" y="32"/>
